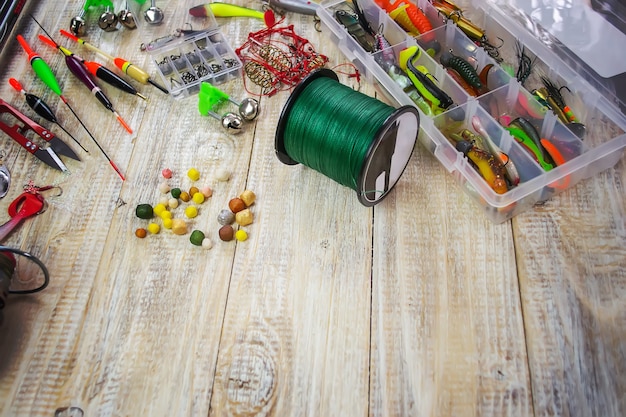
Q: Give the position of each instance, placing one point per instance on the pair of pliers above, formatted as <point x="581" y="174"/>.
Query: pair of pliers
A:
<point x="49" y="155"/>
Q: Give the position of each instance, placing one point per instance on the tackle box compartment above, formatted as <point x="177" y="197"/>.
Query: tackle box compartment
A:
<point x="585" y="151"/>
<point x="186" y="50"/>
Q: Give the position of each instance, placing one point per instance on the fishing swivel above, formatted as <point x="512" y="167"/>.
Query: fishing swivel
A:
<point x="210" y="97"/>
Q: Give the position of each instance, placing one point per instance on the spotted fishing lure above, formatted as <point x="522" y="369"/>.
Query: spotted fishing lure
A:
<point x="460" y="65"/>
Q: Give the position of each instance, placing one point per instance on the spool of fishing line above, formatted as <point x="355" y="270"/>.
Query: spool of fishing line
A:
<point x="354" y="139"/>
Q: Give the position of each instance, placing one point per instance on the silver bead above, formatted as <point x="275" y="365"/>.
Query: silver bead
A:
<point x="127" y="19"/>
<point x="232" y="122"/>
<point x="77" y="26"/>
<point x="226" y="217"/>
<point x="249" y="109"/>
<point x="108" y="21"/>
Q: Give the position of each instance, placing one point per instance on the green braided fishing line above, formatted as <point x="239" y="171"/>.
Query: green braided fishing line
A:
<point x="331" y="127"/>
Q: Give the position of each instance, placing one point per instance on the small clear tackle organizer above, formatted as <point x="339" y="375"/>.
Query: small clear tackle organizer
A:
<point x="186" y="50"/>
<point x="595" y="102"/>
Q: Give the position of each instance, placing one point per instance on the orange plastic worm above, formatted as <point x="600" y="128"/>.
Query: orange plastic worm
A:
<point x="558" y="159"/>
<point x="409" y="16"/>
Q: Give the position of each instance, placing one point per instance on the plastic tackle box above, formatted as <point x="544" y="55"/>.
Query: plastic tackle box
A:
<point x="592" y="93"/>
<point x="185" y="49"/>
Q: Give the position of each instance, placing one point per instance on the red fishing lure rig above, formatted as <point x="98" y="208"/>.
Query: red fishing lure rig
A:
<point x="277" y="58"/>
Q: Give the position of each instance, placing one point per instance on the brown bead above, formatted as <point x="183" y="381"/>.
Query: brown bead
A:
<point x="141" y="233"/>
<point x="185" y="196"/>
<point x="193" y="190"/>
<point x="227" y="233"/>
<point x="248" y="197"/>
<point x="236" y="205"/>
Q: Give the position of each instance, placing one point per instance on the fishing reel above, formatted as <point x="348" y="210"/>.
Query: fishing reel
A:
<point x="8" y="266"/>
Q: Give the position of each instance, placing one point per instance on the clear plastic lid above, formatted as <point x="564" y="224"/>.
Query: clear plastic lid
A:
<point x="588" y="35"/>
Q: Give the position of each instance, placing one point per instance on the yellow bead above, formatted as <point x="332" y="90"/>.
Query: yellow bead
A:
<point x="191" y="212"/>
<point x="154" y="228"/>
<point x="198" y="198"/>
<point x="244" y="217"/>
<point x="165" y="214"/>
<point x="193" y="174"/>
<point x="241" y="235"/>
<point x="248" y="197"/>
<point x="179" y="227"/>
<point x="159" y="208"/>
<point x="167" y="223"/>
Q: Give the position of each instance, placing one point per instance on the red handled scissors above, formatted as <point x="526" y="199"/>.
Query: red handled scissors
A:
<point x="49" y="155"/>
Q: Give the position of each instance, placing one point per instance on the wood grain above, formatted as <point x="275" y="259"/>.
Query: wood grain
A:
<point x="416" y="307"/>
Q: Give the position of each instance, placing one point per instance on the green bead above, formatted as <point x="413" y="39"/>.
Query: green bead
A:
<point x="196" y="237"/>
<point x="175" y="192"/>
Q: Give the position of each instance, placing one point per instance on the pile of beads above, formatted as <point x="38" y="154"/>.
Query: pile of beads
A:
<point x="238" y="212"/>
<point x="164" y="209"/>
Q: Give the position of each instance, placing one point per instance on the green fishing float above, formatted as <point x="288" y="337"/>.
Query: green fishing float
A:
<point x="354" y="139"/>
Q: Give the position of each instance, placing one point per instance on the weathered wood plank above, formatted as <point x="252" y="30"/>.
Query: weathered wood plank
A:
<point x="447" y="333"/>
<point x="572" y="265"/>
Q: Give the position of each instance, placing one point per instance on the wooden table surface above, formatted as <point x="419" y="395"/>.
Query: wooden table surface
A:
<point x="416" y="307"/>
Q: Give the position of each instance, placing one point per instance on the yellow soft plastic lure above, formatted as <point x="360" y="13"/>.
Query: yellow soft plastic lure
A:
<point x="225" y="10"/>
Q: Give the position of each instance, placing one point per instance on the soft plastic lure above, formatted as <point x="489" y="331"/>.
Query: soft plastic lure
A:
<point x="511" y="170"/>
<point x="219" y="9"/>
<point x="424" y="84"/>
<point x="408" y="16"/>
<point x="488" y="166"/>
<point x="537" y="152"/>
<point x="460" y="65"/>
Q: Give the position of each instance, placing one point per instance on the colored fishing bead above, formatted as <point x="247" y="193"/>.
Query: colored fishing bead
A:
<point x="248" y="197"/>
<point x="226" y="233"/>
<point x="191" y="212"/>
<point x="236" y="205"/>
<point x="168" y="223"/>
<point x="193" y="191"/>
<point x="167" y="173"/>
<point x="225" y="217"/>
<point x="222" y="175"/>
<point x="144" y="211"/>
<point x="244" y="217"/>
<point x="166" y="214"/>
<point x="175" y="192"/>
<point x="179" y="226"/>
<point x="154" y="228"/>
<point x="184" y="195"/>
<point x="196" y="237"/>
<point x="198" y="198"/>
<point x="193" y="174"/>
<point x="207" y="243"/>
<point x="241" y="235"/>
<point x="164" y="188"/>
<point x="172" y="203"/>
<point x="206" y="192"/>
<point x="141" y="233"/>
<point x="159" y="208"/>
